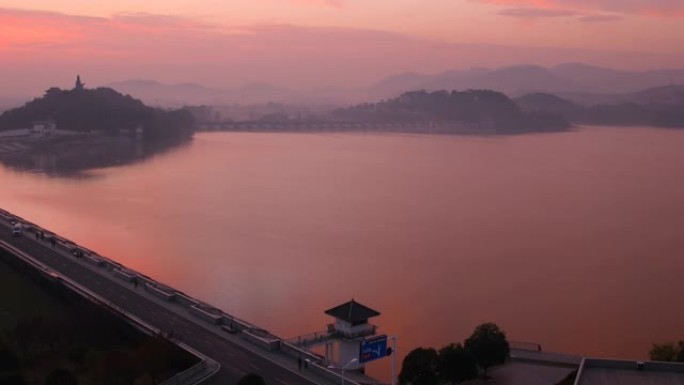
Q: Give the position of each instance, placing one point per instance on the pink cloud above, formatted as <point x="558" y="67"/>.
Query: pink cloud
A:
<point x="325" y="3"/>
<point x="673" y="8"/>
<point x="38" y="47"/>
<point x="532" y="13"/>
<point x="599" y="18"/>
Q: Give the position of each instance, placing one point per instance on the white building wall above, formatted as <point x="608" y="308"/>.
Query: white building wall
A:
<point x="347" y="351"/>
<point x="347" y="328"/>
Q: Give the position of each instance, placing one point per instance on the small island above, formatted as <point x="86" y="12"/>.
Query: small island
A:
<point x="67" y="131"/>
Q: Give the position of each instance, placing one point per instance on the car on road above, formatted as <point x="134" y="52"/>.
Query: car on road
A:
<point x="17" y="229"/>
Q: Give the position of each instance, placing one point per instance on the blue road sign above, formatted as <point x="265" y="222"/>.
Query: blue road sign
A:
<point x="373" y="348"/>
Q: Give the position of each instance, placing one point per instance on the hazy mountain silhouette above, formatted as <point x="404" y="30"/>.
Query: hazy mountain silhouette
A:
<point x="571" y="78"/>
<point x="518" y="80"/>
<point x="514" y="80"/>
<point x="577" y="82"/>
<point x="168" y="94"/>
<point x="603" y="80"/>
<point x="658" y="106"/>
<point x="176" y="95"/>
<point x="539" y="101"/>
<point x="394" y="85"/>
<point x="664" y="95"/>
<point x="7" y="103"/>
<point x="672" y="94"/>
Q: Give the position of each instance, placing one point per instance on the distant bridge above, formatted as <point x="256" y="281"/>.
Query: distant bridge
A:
<point x="316" y="126"/>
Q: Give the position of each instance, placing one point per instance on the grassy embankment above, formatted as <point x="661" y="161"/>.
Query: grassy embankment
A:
<point x="49" y="335"/>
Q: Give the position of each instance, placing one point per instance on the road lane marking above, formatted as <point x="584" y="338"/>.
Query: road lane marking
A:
<point x="281" y="381"/>
<point x="255" y="367"/>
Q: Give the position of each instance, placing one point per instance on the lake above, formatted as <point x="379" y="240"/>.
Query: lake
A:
<point x="573" y="240"/>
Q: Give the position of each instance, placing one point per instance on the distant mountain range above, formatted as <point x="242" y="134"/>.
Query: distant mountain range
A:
<point x="161" y="94"/>
<point x="519" y="80"/>
<point x="580" y="83"/>
<point x="671" y="95"/>
<point x="658" y="106"/>
<point x="7" y="103"/>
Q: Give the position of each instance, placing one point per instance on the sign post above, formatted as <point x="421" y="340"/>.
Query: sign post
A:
<point x="394" y="359"/>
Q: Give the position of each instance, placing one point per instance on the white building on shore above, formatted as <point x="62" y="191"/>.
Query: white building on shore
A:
<point x="42" y="128"/>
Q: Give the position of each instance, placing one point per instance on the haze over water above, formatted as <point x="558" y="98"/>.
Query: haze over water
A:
<point x="573" y="240"/>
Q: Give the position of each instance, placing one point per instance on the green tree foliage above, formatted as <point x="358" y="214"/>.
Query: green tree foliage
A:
<point x="420" y="367"/>
<point x="668" y="351"/>
<point x="488" y="345"/>
<point x="251" y="379"/>
<point x="456" y="364"/>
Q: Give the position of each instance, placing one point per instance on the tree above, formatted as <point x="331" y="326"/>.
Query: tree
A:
<point x="456" y="364"/>
<point x="668" y="351"/>
<point x="488" y="345"/>
<point x="251" y="379"/>
<point x="420" y="367"/>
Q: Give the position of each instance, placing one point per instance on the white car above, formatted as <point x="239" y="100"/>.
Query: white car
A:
<point x="17" y="229"/>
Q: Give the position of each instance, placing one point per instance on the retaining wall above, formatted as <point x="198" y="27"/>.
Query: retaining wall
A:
<point x="159" y="293"/>
<point x="271" y="343"/>
<point x="209" y="317"/>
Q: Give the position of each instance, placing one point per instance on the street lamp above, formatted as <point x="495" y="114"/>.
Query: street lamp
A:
<point x="352" y="361"/>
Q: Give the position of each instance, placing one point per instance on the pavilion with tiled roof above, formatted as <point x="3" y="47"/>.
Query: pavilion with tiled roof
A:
<point x="351" y="327"/>
<point x="353" y="313"/>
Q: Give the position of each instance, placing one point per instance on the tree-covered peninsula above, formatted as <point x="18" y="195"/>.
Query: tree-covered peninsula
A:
<point x="100" y="110"/>
<point x="67" y="132"/>
<point x="476" y="109"/>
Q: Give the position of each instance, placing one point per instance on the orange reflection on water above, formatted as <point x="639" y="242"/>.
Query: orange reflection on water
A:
<point x="571" y="240"/>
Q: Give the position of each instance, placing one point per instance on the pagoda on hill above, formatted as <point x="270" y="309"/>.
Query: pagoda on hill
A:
<point x="79" y="85"/>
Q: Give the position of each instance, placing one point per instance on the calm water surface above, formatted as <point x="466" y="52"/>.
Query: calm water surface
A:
<point x="573" y="240"/>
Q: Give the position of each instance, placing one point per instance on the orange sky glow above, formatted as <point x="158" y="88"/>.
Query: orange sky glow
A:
<point x="314" y="43"/>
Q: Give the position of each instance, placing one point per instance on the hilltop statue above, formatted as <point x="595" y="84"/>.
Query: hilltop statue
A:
<point x="79" y="85"/>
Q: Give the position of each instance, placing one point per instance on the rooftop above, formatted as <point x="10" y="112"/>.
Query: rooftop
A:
<point x="595" y="371"/>
<point x="352" y="312"/>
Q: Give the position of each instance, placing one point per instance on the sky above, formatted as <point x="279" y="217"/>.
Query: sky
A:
<point x="320" y="43"/>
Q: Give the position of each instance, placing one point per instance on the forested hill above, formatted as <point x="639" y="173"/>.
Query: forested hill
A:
<point x="660" y="107"/>
<point x="468" y="107"/>
<point x="100" y="110"/>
